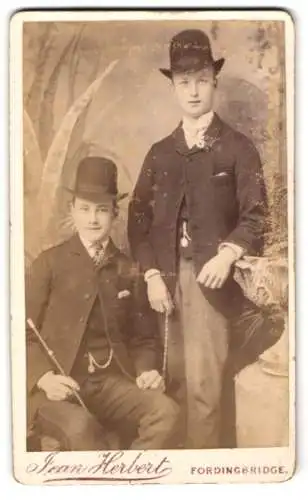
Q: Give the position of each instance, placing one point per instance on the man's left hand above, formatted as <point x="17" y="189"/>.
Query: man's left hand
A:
<point x="215" y="272"/>
<point x="151" y="380"/>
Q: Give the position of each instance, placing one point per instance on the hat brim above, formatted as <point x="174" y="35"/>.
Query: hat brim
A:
<point x="217" y="65"/>
<point x="96" y="196"/>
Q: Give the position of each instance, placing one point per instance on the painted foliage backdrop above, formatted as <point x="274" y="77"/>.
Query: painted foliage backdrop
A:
<point x="95" y="88"/>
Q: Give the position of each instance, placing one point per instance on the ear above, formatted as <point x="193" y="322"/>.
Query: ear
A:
<point x="115" y="211"/>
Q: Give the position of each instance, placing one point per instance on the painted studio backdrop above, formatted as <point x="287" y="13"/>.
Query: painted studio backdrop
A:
<point x="95" y="88"/>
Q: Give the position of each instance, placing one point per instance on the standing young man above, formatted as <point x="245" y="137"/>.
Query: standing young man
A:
<point x="91" y="308"/>
<point x="197" y="207"/>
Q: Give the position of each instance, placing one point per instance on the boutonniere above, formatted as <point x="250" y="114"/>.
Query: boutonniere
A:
<point x="123" y="293"/>
<point x="207" y="142"/>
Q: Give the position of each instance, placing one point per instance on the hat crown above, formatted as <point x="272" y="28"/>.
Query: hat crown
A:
<point x="190" y="50"/>
<point x="190" y="42"/>
<point x="96" y="175"/>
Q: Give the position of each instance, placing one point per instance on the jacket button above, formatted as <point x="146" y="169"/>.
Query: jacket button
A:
<point x="87" y="296"/>
<point x="81" y="320"/>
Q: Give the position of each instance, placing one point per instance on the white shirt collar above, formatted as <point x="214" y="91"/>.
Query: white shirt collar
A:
<point x="89" y="246"/>
<point x="194" y="130"/>
<point x="203" y="122"/>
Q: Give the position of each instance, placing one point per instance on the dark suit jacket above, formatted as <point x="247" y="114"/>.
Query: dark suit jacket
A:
<point x="60" y="294"/>
<point x="228" y="207"/>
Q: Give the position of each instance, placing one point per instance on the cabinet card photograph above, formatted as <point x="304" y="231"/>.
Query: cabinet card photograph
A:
<point x="152" y="246"/>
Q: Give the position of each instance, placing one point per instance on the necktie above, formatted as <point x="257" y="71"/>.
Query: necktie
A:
<point x="98" y="253"/>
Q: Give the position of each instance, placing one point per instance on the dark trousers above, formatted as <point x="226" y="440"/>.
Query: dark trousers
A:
<point x="144" y="419"/>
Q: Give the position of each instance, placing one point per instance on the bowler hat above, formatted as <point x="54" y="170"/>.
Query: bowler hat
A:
<point x="96" y="180"/>
<point x="190" y="50"/>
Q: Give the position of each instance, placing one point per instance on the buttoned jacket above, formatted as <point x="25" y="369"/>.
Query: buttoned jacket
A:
<point x="62" y="287"/>
<point x="225" y="194"/>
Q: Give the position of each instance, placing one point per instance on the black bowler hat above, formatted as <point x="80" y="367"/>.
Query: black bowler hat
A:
<point x="96" y="180"/>
<point x="189" y="51"/>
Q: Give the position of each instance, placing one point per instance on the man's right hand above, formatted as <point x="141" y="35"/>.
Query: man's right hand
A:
<point x="158" y="294"/>
<point x="57" y="387"/>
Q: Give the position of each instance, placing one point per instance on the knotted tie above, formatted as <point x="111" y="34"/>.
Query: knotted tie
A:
<point x="98" y="253"/>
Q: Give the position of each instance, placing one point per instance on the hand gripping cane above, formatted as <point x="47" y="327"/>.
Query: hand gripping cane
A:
<point x="53" y="358"/>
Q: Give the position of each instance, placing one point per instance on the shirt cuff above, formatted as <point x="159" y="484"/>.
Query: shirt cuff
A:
<point x="149" y="273"/>
<point x="238" y="250"/>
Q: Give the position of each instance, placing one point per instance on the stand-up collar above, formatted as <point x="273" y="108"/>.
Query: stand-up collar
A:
<point x="90" y="246"/>
<point x="211" y="135"/>
<point x="201" y="123"/>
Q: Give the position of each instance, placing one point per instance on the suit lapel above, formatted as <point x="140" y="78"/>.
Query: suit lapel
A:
<point x="180" y="141"/>
<point x="105" y="275"/>
<point x="80" y="261"/>
<point x="110" y="255"/>
<point x="213" y="133"/>
<point x="76" y="248"/>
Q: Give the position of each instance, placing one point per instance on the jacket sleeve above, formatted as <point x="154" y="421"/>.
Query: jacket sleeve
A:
<point x="251" y="196"/>
<point x="145" y="347"/>
<point x="38" y="285"/>
<point x="140" y="215"/>
<point x="252" y="332"/>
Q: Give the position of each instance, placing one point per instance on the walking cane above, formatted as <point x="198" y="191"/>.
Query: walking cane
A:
<point x="166" y="341"/>
<point x="53" y="358"/>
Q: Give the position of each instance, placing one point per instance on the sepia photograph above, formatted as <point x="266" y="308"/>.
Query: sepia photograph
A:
<point x="152" y="246"/>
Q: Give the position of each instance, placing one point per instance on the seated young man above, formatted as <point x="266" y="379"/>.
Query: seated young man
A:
<point x="88" y="303"/>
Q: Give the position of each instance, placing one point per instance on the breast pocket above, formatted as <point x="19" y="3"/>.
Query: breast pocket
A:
<point x="222" y="179"/>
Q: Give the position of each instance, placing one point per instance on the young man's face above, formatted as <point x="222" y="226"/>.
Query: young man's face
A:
<point x="195" y="91"/>
<point x="93" y="221"/>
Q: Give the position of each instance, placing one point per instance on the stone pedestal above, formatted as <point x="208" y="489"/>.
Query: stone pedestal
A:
<point x="262" y="389"/>
<point x="262" y="406"/>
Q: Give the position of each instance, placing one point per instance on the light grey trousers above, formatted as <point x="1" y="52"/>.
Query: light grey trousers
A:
<point x="198" y="348"/>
